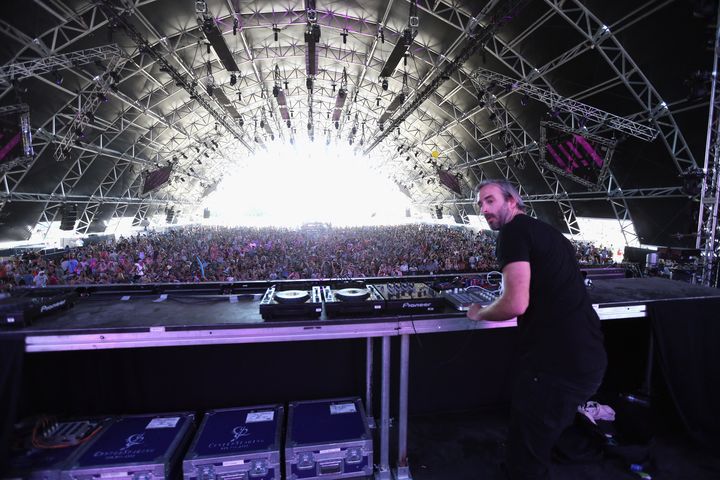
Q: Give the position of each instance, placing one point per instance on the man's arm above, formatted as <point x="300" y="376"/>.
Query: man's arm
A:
<point x="514" y="299"/>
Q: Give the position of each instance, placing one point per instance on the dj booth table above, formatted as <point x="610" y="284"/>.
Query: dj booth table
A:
<point x="129" y="320"/>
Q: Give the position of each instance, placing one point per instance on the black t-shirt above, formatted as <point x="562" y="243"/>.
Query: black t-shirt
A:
<point x="560" y="331"/>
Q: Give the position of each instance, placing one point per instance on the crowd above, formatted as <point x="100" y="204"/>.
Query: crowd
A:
<point x="209" y="254"/>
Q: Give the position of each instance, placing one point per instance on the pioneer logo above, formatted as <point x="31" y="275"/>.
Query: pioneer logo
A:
<point x="416" y="305"/>
<point x="52" y="306"/>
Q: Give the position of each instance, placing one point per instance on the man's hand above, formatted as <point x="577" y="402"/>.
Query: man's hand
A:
<point x="473" y="312"/>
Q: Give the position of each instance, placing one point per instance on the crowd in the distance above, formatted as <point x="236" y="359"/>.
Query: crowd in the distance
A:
<point x="210" y="254"/>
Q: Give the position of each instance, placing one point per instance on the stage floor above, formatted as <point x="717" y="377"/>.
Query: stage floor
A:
<point x="128" y="312"/>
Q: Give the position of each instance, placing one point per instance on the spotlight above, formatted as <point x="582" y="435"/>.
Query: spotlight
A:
<point x="57" y="77"/>
<point x="235" y="26"/>
<point x="233" y="79"/>
<point x="309" y="126"/>
<point x="385" y="84"/>
<point x="337" y="125"/>
<point x="288" y="123"/>
<point x="241" y="122"/>
<point x="262" y="123"/>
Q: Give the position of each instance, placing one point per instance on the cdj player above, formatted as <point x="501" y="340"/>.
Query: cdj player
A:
<point x="292" y="303"/>
<point x="352" y="298"/>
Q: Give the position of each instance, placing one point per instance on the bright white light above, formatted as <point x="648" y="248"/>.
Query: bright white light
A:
<point x="290" y="185"/>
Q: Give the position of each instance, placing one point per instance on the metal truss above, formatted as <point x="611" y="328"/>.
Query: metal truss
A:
<point x="478" y="36"/>
<point x="30" y="197"/>
<point x="708" y="240"/>
<point x="180" y="80"/>
<point x="606" y="195"/>
<point x="55" y="63"/>
<point x="88" y="102"/>
<point x="607" y="45"/>
<point x="582" y="113"/>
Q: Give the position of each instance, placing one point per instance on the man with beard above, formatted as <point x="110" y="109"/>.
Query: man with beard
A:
<point x="562" y="357"/>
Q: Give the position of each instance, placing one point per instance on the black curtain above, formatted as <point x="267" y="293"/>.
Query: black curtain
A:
<point x="12" y="353"/>
<point x="687" y="335"/>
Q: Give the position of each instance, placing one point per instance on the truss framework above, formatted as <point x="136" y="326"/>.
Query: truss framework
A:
<point x="708" y="239"/>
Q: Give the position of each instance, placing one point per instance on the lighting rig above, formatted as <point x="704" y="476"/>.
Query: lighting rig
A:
<point x="279" y="94"/>
<point x="215" y="37"/>
<point x="396" y="102"/>
<point x="55" y="63"/>
<point x="96" y="95"/>
<point x="340" y="100"/>
<point x="492" y="84"/>
<point x="312" y="37"/>
<point x="478" y="37"/>
<point x="402" y="46"/>
<point x="189" y="86"/>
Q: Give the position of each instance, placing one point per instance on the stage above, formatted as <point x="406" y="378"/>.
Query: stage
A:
<point x="219" y="352"/>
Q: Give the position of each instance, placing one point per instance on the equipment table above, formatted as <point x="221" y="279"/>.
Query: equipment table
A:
<point x="127" y="320"/>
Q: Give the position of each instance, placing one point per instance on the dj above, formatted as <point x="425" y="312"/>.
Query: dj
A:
<point x="562" y="357"/>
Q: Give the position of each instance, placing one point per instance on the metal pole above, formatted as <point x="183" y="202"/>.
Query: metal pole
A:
<point x="368" y="381"/>
<point x="708" y="208"/>
<point x="403" y="469"/>
<point x="384" y="468"/>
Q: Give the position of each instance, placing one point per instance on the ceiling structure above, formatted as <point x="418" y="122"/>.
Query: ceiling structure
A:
<point x="436" y="94"/>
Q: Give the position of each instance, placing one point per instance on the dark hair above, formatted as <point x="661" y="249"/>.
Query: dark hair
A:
<point x="508" y="190"/>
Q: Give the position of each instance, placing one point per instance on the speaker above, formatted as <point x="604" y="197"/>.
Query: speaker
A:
<point x="68" y="217"/>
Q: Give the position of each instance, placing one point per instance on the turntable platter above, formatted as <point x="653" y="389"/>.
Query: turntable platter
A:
<point x="352" y="294"/>
<point x="291" y="296"/>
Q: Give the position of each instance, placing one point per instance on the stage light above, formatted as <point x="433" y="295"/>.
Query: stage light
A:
<point x="288" y="123"/>
<point x="57" y="77"/>
<point x="233" y="79"/>
<point x="385" y="84"/>
<point x="235" y="26"/>
<point x="309" y="83"/>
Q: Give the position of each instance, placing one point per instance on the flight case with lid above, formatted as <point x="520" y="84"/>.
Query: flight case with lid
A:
<point x="238" y="443"/>
<point x="328" y="439"/>
<point x="135" y="447"/>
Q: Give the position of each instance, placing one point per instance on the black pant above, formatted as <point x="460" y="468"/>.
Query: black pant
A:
<point x="543" y="406"/>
